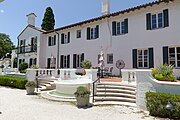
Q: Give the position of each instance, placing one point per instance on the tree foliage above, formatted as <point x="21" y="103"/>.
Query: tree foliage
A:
<point x="5" y="45"/>
<point x="48" y="20"/>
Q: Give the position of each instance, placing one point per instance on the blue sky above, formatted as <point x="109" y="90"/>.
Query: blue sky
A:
<point x="13" y="12"/>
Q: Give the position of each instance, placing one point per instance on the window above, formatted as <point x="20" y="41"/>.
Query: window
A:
<point x="157" y="20"/>
<point x="52" y="40"/>
<point x="65" y="61"/>
<point x="22" y="46"/>
<point x="32" y="61"/>
<point x="77" y="59"/>
<point x="78" y="34"/>
<point x="65" y="38"/>
<point x="109" y="58"/>
<point x="142" y="58"/>
<point x="93" y="33"/>
<point x="174" y="56"/>
<point x="119" y="28"/>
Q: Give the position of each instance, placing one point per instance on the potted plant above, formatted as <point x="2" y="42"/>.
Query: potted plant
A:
<point x="86" y="64"/>
<point x="163" y="73"/>
<point x="30" y="87"/>
<point x="82" y="96"/>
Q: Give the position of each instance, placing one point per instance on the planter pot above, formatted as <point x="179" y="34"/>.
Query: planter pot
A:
<point x="30" y="90"/>
<point x="82" y="101"/>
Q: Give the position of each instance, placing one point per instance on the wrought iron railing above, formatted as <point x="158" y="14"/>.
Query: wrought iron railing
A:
<point x="94" y="88"/>
<point x="26" y="49"/>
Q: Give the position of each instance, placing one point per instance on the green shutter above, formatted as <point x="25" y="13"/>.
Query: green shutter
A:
<point x="54" y="39"/>
<point x="62" y="38"/>
<point x="74" y="60"/>
<point x="62" y="61"/>
<point x="97" y="31"/>
<point x="126" y="25"/>
<point x="69" y="37"/>
<point x="88" y="33"/>
<point x="82" y="57"/>
<point x="165" y="55"/>
<point x="114" y="28"/>
<point x="151" y="58"/>
<point x="68" y="61"/>
<point x="166" y="17"/>
<point x="49" y="41"/>
<point x="134" y="55"/>
<point x="148" y="21"/>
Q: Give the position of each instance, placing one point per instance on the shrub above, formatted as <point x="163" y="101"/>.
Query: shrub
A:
<point x="13" y="82"/>
<point x="86" y="64"/>
<point x="163" y="72"/>
<point x="156" y="102"/>
<point x="30" y="84"/>
<point x="81" y="91"/>
<point x="2" y="66"/>
<point x="22" y="67"/>
<point x="34" y="66"/>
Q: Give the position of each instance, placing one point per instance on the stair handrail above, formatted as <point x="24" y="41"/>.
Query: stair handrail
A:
<point x="98" y="80"/>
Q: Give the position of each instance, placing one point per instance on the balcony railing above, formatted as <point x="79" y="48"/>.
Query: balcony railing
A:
<point x="26" y="49"/>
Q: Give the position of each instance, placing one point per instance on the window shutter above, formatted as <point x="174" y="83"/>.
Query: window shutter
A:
<point x="134" y="55"/>
<point x="97" y="31"/>
<point x="165" y="55"/>
<point x="88" y="33"/>
<point x="148" y="21"/>
<point x="48" y="62"/>
<point x="166" y="17"/>
<point x="82" y="57"/>
<point x="54" y="39"/>
<point x="74" y="60"/>
<point x="114" y="28"/>
<point x="126" y="25"/>
<point x="68" y="37"/>
<point x="62" y="61"/>
<point x="68" y="61"/>
<point x="49" y="41"/>
<point x="151" y="57"/>
<point x="30" y="62"/>
<point x="62" y="38"/>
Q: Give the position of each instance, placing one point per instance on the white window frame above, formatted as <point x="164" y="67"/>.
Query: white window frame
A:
<point x="143" y="58"/>
<point x="120" y="28"/>
<point x="157" y="20"/>
<point x="78" y="34"/>
<point x="175" y="56"/>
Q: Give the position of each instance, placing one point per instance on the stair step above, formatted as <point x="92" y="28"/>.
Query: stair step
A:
<point x="117" y="84"/>
<point x="116" y="87"/>
<point x="120" y="99"/>
<point x="115" y="91"/>
<point x="114" y="103"/>
<point x="105" y="94"/>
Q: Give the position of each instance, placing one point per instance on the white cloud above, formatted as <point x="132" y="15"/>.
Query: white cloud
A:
<point x="1" y="11"/>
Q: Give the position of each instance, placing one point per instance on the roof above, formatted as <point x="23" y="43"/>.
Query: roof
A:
<point x="110" y="15"/>
<point x="31" y="14"/>
<point x="33" y="27"/>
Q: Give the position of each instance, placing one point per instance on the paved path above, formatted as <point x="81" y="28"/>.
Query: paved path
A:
<point x="16" y="105"/>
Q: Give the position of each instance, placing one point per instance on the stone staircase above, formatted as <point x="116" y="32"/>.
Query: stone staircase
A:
<point x="46" y="84"/>
<point x="115" y="93"/>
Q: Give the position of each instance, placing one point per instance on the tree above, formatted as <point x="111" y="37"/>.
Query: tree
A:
<point x="5" y="45"/>
<point x="48" y="20"/>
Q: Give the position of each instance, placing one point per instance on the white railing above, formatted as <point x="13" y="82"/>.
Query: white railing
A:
<point x="129" y="75"/>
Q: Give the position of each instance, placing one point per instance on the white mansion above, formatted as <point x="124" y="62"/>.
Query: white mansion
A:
<point x="143" y="37"/>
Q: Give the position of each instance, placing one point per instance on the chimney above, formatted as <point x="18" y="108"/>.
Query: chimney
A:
<point x="105" y="7"/>
<point x="31" y="19"/>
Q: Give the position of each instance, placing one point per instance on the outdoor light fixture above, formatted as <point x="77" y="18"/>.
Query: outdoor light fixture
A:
<point x="169" y="106"/>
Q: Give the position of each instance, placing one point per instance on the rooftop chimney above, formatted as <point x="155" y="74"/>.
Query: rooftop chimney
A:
<point x="31" y="19"/>
<point x="105" y="7"/>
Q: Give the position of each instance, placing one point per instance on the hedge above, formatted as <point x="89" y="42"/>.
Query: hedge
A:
<point x="156" y="102"/>
<point x="13" y="82"/>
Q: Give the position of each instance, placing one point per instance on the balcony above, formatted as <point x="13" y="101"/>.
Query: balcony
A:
<point x="26" y="49"/>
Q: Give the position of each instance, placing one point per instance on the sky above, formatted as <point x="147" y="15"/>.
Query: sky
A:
<point x="13" y="12"/>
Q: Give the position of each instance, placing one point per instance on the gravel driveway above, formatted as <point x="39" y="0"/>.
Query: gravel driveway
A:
<point x="16" y="105"/>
